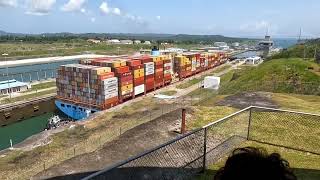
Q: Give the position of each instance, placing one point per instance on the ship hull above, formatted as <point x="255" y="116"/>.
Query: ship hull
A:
<point x="73" y="111"/>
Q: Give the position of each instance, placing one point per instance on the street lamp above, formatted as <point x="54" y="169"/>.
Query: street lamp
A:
<point x="21" y="41"/>
<point x="118" y="50"/>
<point x="7" y="69"/>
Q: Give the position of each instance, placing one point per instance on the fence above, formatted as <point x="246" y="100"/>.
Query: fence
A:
<point x="166" y="109"/>
<point x="190" y="154"/>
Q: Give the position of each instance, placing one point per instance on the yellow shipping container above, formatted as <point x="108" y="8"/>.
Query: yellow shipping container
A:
<point x="116" y="64"/>
<point x="139" y="71"/>
<point x="138" y="75"/>
<point x="127" y="87"/>
<point x="101" y="70"/>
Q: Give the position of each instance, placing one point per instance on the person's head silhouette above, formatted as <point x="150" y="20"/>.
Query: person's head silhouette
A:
<point x="255" y="164"/>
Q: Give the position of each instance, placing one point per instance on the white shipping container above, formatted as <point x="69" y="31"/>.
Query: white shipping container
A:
<point x="149" y="72"/>
<point x="211" y="82"/>
<point x="149" y="64"/>
<point x="167" y="65"/>
<point x="139" y="89"/>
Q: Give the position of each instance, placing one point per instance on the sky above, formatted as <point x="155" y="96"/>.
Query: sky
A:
<point x="238" y="18"/>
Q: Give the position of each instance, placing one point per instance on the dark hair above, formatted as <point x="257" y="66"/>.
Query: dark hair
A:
<point x="255" y="164"/>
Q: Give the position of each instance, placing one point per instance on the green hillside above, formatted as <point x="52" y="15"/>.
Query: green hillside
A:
<point x="310" y="49"/>
<point x="280" y="75"/>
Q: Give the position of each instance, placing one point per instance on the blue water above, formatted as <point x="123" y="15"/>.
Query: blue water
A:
<point x="27" y="73"/>
<point x="284" y="42"/>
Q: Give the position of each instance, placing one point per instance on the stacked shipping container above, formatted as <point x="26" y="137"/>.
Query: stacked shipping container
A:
<point x="149" y="70"/>
<point x="158" y="74"/>
<point x="167" y="66"/>
<point x="87" y="85"/>
<point x="137" y="70"/>
<point x="182" y="66"/>
<point x="125" y="78"/>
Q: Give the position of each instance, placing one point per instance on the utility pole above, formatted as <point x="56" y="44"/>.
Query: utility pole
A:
<point x="304" y="51"/>
<point x="315" y="52"/>
<point x="7" y="69"/>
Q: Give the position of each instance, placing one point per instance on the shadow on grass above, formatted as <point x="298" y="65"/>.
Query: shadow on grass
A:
<point x="302" y="174"/>
<point x="133" y="173"/>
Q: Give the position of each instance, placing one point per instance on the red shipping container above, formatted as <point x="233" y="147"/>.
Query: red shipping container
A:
<point x="124" y="83"/>
<point x="158" y="63"/>
<point x="134" y="63"/>
<point x="136" y="67"/>
<point x="146" y="60"/>
<point x="150" y="86"/>
<point x="106" y="76"/>
<point x="127" y="78"/>
<point x="149" y="76"/>
<point x="137" y="83"/>
<point x="158" y="66"/>
<point x="121" y="75"/>
<point x="141" y="79"/>
<point x="112" y="100"/>
<point x="149" y="80"/>
<point x="121" y="70"/>
<point x="167" y="76"/>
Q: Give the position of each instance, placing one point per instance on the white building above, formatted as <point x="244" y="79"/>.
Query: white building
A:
<point x="137" y="42"/>
<point x="113" y="41"/>
<point x="13" y="86"/>
<point x="96" y="41"/>
<point x="235" y="44"/>
<point x="254" y="60"/>
<point x="126" y="42"/>
<point x="147" y="42"/>
<point x="221" y="46"/>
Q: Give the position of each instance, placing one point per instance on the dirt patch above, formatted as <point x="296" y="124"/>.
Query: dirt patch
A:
<point x="131" y="143"/>
<point x="243" y="100"/>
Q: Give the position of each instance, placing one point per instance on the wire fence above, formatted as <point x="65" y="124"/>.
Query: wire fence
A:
<point x="192" y="153"/>
<point x="168" y="110"/>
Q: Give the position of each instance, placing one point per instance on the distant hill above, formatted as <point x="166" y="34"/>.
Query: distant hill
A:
<point x="278" y="75"/>
<point x="306" y="49"/>
<point x="147" y="36"/>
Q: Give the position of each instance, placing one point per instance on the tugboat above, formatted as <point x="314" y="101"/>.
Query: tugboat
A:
<point x="53" y="122"/>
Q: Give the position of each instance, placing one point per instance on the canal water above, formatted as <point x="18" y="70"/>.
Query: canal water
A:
<point x="20" y="131"/>
<point x="33" y="72"/>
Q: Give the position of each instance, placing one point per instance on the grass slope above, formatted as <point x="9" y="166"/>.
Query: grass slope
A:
<point x="280" y="75"/>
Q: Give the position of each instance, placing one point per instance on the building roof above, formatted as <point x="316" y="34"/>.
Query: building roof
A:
<point x="13" y="83"/>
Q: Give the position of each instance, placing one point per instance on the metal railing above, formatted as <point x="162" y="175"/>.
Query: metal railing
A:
<point x="191" y="153"/>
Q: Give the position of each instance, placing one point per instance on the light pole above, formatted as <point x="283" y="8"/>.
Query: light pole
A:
<point x="7" y="69"/>
<point x="21" y="41"/>
<point x="118" y="50"/>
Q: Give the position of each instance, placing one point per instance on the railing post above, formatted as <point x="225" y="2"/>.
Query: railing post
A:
<point x="249" y="124"/>
<point x="204" y="150"/>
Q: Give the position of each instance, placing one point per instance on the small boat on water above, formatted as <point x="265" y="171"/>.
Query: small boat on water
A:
<point x="53" y="122"/>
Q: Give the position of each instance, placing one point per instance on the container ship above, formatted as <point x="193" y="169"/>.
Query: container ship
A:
<point x="102" y="83"/>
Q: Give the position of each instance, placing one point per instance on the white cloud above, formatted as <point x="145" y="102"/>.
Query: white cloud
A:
<point x="8" y="3"/>
<point x="104" y="8"/>
<point x="131" y="17"/>
<point x="93" y="19"/>
<point x="39" y="7"/>
<point x="83" y="10"/>
<point x="158" y="17"/>
<point x="253" y="27"/>
<point x="73" y="5"/>
<point x="116" y="11"/>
